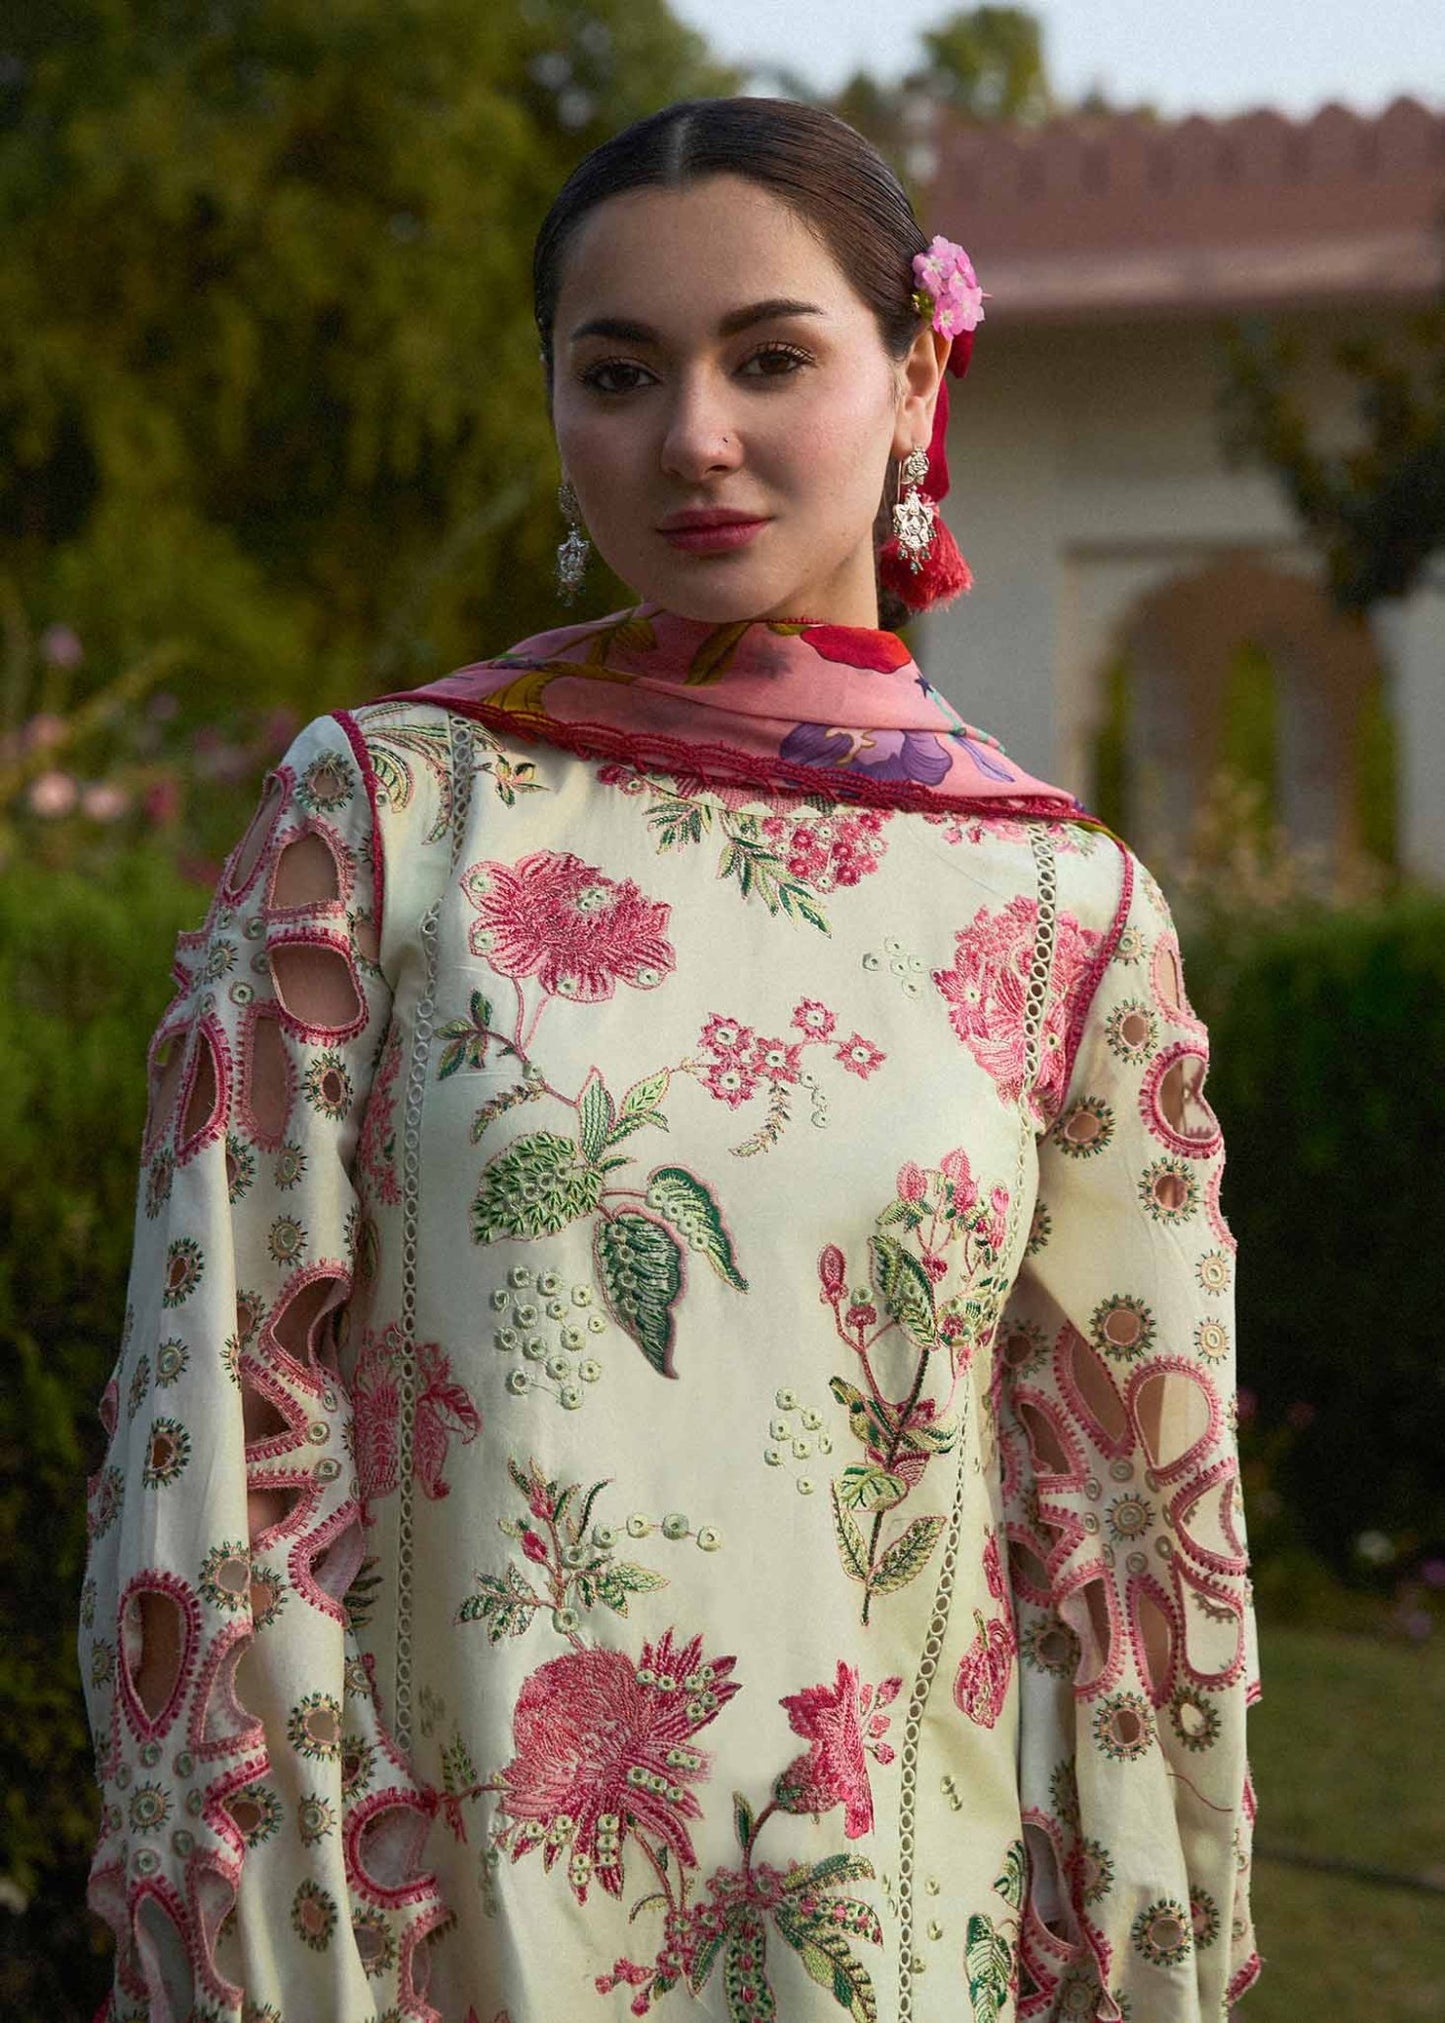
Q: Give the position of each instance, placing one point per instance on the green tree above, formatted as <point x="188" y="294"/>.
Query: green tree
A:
<point x="1375" y="508"/>
<point x="268" y="378"/>
<point x="988" y="63"/>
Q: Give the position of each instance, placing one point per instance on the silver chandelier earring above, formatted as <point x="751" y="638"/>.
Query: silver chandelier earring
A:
<point x="572" y="553"/>
<point x="913" y="514"/>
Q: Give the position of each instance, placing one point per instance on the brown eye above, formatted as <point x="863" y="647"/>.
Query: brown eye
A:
<point x="777" y="361"/>
<point x="614" y="375"/>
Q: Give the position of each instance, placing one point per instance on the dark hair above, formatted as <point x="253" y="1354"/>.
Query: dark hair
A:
<point x="814" y="162"/>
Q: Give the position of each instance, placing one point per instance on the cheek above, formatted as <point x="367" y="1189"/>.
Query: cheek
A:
<point x="838" y="446"/>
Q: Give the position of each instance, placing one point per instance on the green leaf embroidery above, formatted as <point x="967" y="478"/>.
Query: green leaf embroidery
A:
<point x="597" y="1113"/>
<point x="832" y="1869"/>
<point x="868" y="1488"/>
<point x="682" y="1200"/>
<point x="906" y="1558"/>
<point x="645" y="1095"/>
<point x="988" y="1962"/>
<point x="624" y="1579"/>
<point x="639" y="1266"/>
<point x="534" y="1188"/>
<point x="830" y="1961"/>
<point x="1010" y="1885"/>
<point x="904" y="1287"/>
<point x="850" y="1540"/>
<point x="742" y="1820"/>
<point x="505" y="1606"/>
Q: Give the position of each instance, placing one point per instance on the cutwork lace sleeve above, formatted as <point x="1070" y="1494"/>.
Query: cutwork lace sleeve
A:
<point x="236" y="1865"/>
<point x="1127" y="1550"/>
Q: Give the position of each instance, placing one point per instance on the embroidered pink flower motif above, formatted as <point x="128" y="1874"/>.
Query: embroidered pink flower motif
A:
<point x="956" y="1169"/>
<point x="728" y="1038"/>
<point x="442" y="1407"/>
<point x="376" y="1143"/>
<point x="857" y="646"/>
<point x="578" y="931"/>
<point x="981" y="1687"/>
<point x="814" y="1019"/>
<point x="912" y="1182"/>
<point x="843" y="1724"/>
<point x="600" y="1740"/>
<point x="777" y="1060"/>
<point x="730" y="1082"/>
<point x="839" y="848"/>
<point x="945" y="273"/>
<point x="859" y="1056"/>
<point x="986" y="991"/>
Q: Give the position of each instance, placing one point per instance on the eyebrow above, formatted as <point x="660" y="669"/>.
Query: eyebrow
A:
<point x="628" y="332"/>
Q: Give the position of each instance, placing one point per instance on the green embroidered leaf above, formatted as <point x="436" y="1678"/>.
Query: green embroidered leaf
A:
<point x="676" y="823"/>
<point x="596" y="1113"/>
<point x="624" y="1579"/>
<point x="646" y="1094"/>
<point x="682" y="1200"/>
<point x="534" y="1188"/>
<point x="830" y="1961"/>
<point x="1010" y="1885"/>
<point x="742" y="1820"/>
<point x="988" y="1962"/>
<point x="504" y="1606"/>
<point x="906" y="1558"/>
<point x="745" y="1972"/>
<point x="827" y="1873"/>
<point x="851" y="1548"/>
<point x="868" y="1488"/>
<point x="361" y="1597"/>
<point x="874" y="1424"/>
<point x="904" y="1287"/>
<point x="639" y="1267"/>
<point x="704" y="1960"/>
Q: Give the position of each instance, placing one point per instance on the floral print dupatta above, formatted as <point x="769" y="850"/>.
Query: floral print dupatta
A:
<point x="841" y="711"/>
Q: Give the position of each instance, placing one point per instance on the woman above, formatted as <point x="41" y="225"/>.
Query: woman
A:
<point x="672" y="1448"/>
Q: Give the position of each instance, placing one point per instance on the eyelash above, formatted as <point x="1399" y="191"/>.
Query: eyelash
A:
<point x="592" y="377"/>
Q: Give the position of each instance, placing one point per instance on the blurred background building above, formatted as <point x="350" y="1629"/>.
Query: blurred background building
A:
<point x="1145" y="607"/>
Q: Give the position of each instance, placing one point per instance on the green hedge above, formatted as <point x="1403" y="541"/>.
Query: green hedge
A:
<point x="1328" y="1076"/>
<point x="1327" y="1040"/>
<point x="84" y="974"/>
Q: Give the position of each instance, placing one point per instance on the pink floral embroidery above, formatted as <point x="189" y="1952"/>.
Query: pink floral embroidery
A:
<point x="986" y="991"/>
<point x="984" y="1671"/>
<point x="601" y="1740"/>
<point x="578" y="931"/>
<point x="837" y="849"/>
<point x="443" y="1407"/>
<point x="814" y="1019"/>
<point x="843" y="1723"/>
<point x="859" y="1056"/>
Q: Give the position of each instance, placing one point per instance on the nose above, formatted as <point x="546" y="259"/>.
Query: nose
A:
<point x="700" y="437"/>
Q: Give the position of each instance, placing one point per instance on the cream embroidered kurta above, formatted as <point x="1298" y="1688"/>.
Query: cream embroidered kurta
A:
<point x="723" y="1311"/>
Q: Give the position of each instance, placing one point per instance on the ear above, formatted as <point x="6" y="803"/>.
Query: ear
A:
<point x="920" y="378"/>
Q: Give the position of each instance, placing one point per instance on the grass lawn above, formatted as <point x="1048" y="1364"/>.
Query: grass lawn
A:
<point x="1348" y="1752"/>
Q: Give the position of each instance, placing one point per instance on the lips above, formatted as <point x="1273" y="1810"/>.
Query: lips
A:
<point x="711" y="530"/>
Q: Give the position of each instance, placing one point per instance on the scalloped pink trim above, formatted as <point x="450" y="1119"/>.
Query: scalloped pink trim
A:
<point x="313" y="1375"/>
<point x="301" y="1561"/>
<point x="1159" y="1692"/>
<point x="266" y="814"/>
<point x="217" y="1813"/>
<point x="1058" y="1418"/>
<point x="1245" y="1979"/>
<point x="1181" y="1014"/>
<point x="250" y="1023"/>
<point x="275" y="1446"/>
<point x="1118" y="1447"/>
<point x="1191" y="1493"/>
<point x="1214" y="1214"/>
<point x="206" y="1030"/>
<point x="157" y="1125"/>
<point x="303" y="1029"/>
<point x="218" y="1676"/>
<point x="384" y="1896"/>
<point x="1066" y="1591"/>
<point x="156" y="1580"/>
<point x="357" y="741"/>
<point x="340" y="853"/>
<point x="1183" y="1575"/>
<point x="1156" y="1123"/>
<point x="1170" y="1471"/>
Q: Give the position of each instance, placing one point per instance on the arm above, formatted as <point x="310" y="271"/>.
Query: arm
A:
<point x="237" y="1865"/>
<point x="1127" y="1549"/>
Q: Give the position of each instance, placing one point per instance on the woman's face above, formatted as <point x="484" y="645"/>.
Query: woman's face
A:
<point x="724" y="405"/>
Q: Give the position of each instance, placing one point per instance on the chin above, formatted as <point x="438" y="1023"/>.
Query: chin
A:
<point x="717" y="596"/>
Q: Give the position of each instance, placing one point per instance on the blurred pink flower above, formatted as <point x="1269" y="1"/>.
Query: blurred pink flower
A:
<point x="43" y="731"/>
<point x="1432" y="1572"/>
<point x="52" y="794"/>
<point x="60" y="645"/>
<point x="162" y="801"/>
<point x="162" y="707"/>
<point x="104" y="801"/>
<point x="1245" y="1402"/>
<point x="279" y="727"/>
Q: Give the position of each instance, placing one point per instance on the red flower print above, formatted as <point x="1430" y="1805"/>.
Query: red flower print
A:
<point x="836" y="1721"/>
<point x="858" y="646"/>
<point x="443" y="1407"/>
<point x="814" y="1019"/>
<point x="601" y="1741"/>
<point x="859" y="1056"/>
<point x="985" y="990"/>
<point x="578" y="931"/>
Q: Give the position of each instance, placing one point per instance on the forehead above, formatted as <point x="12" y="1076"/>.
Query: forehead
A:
<point x="692" y="254"/>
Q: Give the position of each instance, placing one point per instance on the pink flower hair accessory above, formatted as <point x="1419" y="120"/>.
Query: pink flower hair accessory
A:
<point x="947" y="290"/>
